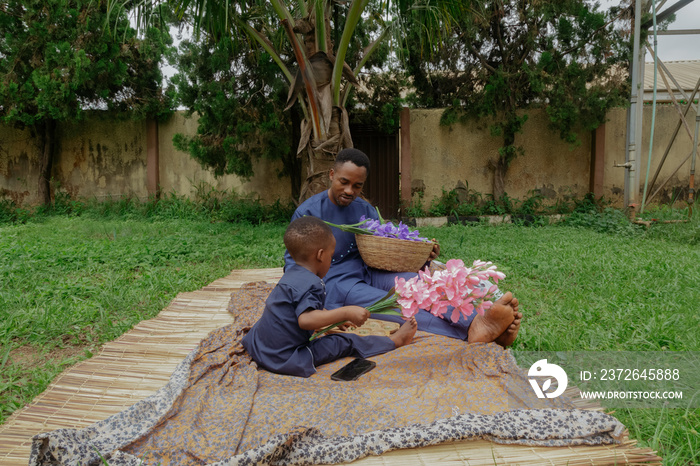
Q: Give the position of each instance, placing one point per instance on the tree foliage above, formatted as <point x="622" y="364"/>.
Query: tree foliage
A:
<point x="501" y="58"/>
<point x="58" y="60"/>
<point x="378" y="103"/>
<point x="240" y="93"/>
<point x="239" y="97"/>
<point x="319" y="47"/>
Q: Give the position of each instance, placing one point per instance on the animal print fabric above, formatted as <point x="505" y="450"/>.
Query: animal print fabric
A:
<point x="219" y="409"/>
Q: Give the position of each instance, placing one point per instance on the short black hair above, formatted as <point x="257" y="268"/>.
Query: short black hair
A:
<point x="306" y="235"/>
<point x="355" y="156"/>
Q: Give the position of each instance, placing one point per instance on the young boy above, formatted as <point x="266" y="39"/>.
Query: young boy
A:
<point x="279" y="341"/>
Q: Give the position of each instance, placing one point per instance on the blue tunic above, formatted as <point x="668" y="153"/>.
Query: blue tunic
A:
<point x="347" y="267"/>
<point x="350" y="281"/>
<point x="278" y="344"/>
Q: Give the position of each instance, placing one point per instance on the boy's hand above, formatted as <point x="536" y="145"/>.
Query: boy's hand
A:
<point x="346" y="326"/>
<point x="357" y="315"/>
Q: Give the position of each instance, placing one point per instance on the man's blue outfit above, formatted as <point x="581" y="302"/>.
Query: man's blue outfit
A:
<point x="350" y="281"/>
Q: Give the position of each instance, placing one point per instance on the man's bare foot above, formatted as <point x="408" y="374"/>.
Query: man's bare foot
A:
<point x="494" y="322"/>
<point x="507" y="338"/>
<point x="404" y="335"/>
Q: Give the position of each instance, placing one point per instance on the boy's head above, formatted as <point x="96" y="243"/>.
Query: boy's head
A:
<point x="311" y="243"/>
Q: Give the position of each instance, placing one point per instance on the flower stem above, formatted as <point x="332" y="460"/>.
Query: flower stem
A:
<point x="386" y="305"/>
<point x="381" y="220"/>
<point x="322" y="331"/>
<point x="354" y="228"/>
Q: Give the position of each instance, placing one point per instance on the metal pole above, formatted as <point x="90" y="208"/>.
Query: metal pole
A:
<point x="653" y="108"/>
<point x="691" y="189"/>
<point x="626" y="187"/>
<point x="679" y="32"/>
<point x="638" y="134"/>
<point x="631" y="183"/>
<point x="673" y="137"/>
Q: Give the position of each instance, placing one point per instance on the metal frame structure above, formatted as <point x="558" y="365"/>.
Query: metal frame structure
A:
<point x="634" y="115"/>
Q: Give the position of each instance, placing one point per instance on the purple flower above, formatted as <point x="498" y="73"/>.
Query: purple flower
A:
<point x="389" y="230"/>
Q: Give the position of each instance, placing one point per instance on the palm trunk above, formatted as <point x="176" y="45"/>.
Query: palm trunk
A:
<point x="319" y="145"/>
<point x="320" y="155"/>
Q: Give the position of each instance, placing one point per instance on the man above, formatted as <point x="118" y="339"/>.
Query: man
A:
<point x="351" y="282"/>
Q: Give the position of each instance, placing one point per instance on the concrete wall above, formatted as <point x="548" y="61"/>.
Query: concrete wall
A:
<point x="19" y="165"/>
<point x="442" y="157"/>
<point x="180" y="173"/>
<point x="666" y="120"/>
<point x="103" y="157"/>
<point x="447" y="157"/>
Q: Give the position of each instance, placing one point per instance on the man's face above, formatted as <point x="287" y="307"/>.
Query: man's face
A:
<point x="347" y="181"/>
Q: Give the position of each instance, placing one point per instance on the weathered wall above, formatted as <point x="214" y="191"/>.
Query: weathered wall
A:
<point x="19" y="165"/>
<point x="444" y="156"/>
<point x="180" y="173"/>
<point x="103" y="157"/>
<point x="666" y="121"/>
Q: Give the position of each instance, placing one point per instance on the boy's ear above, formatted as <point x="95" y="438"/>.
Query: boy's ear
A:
<point x="319" y="253"/>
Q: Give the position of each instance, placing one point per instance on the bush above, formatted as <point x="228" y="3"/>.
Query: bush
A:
<point x="11" y="213"/>
<point x="608" y="221"/>
<point x="254" y="212"/>
<point x="212" y="205"/>
<point x="471" y="203"/>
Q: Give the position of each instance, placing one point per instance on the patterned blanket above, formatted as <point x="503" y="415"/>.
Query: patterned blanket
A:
<point x="218" y="408"/>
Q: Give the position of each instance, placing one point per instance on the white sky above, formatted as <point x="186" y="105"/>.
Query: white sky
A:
<point x="675" y="48"/>
<point x="670" y="48"/>
<point x="687" y="46"/>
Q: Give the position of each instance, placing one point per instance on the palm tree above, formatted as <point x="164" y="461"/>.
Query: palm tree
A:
<point x="322" y="79"/>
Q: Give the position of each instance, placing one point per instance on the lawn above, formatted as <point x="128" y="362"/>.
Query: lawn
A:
<point x="70" y="283"/>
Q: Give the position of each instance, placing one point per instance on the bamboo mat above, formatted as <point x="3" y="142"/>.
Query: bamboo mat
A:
<point x="141" y="361"/>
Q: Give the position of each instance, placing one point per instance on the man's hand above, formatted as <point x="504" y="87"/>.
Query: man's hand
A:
<point x="436" y="250"/>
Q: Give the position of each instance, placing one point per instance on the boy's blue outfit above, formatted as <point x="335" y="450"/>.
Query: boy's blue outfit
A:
<point x="278" y="344"/>
<point x="351" y="282"/>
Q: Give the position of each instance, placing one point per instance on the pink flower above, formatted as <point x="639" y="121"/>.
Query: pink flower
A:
<point x="438" y="308"/>
<point x="454" y="286"/>
<point x="454" y="264"/>
<point x="409" y="307"/>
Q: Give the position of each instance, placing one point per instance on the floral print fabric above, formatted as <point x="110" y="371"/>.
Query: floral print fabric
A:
<point x="218" y="408"/>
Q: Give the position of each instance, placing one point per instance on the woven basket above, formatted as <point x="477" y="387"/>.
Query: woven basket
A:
<point x="393" y="254"/>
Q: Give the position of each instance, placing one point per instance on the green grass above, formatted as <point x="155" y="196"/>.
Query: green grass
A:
<point x="70" y="283"/>
<point x="602" y="284"/>
<point x="584" y="290"/>
<point x="67" y="285"/>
